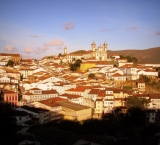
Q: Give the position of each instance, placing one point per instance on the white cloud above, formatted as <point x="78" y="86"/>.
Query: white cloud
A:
<point x="34" y="35"/>
<point x="9" y="47"/>
<point x="133" y="28"/>
<point x="158" y="33"/>
<point x="68" y="25"/>
<point x="29" y="49"/>
<point x="42" y="50"/>
<point x="56" y="42"/>
<point x="103" y="30"/>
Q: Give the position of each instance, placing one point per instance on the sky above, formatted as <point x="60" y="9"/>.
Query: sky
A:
<point x="38" y="28"/>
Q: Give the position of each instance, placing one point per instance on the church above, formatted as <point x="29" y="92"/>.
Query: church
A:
<point x="97" y="53"/>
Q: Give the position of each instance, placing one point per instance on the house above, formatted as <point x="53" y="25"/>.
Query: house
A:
<point x="98" y="110"/>
<point x="25" y="72"/>
<point x="80" y="90"/>
<point x="52" y="106"/>
<point x="8" y="56"/>
<point x="86" y="65"/>
<point x="11" y="97"/>
<point x="151" y="116"/>
<point x="41" y="114"/>
<point x="73" y="98"/>
<point x="73" y="111"/>
<point x="141" y="86"/>
<point x="2" y="72"/>
<point x="21" y="117"/>
<point x="108" y="101"/>
<point x="118" y="77"/>
<point x="154" y="101"/>
<point x="37" y="94"/>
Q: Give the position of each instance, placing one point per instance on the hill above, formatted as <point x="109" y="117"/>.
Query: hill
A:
<point x="151" y="55"/>
<point x="78" y="52"/>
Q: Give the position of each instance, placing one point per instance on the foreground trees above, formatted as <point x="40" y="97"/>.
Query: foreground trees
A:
<point x="137" y="102"/>
<point x="8" y="127"/>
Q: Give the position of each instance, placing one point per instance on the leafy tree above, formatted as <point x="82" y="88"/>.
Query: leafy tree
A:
<point x="129" y="59"/>
<point x="137" y="116"/>
<point x="59" y="55"/>
<point x="134" y="59"/>
<point x="136" y="102"/>
<point x="10" y="63"/>
<point x="21" y="77"/>
<point x="146" y="79"/>
<point x="7" y="123"/>
<point x="91" y="75"/>
<point x="76" y="65"/>
<point x="73" y="67"/>
<point x="73" y="59"/>
<point x="78" y="62"/>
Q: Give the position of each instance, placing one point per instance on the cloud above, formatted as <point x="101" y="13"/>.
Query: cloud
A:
<point x="157" y="32"/>
<point x="56" y="42"/>
<point x="60" y="48"/>
<point x="132" y="28"/>
<point x="10" y="48"/>
<point x="42" y="50"/>
<point x="34" y="35"/>
<point x="68" y="25"/>
<point x="29" y="50"/>
<point x="103" y="30"/>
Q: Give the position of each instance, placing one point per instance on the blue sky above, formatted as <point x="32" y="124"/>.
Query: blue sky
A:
<point x="37" y="28"/>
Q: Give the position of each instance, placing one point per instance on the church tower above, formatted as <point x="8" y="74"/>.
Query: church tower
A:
<point x="93" y="46"/>
<point x="105" y="46"/>
<point x="65" y="50"/>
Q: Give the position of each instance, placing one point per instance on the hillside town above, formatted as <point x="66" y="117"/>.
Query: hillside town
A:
<point x="75" y="86"/>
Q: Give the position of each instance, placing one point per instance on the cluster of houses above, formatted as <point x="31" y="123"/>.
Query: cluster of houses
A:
<point x="47" y="90"/>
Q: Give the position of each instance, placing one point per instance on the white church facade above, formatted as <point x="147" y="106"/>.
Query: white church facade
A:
<point x="97" y="53"/>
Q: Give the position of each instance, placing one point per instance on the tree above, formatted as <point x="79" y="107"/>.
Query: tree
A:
<point x="137" y="116"/>
<point x="91" y="75"/>
<point x="10" y="63"/>
<point x="73" y="59"/>
<point x="72" y="67"/>
<point x="21" y="77"/>
<point x="129" y="59"/>
<point x="78" y="62"/>
<point x="137" y="102"/>
<point x="7" y="123"/>
<point x="134" y="59"/>
<point x="59" y="55"/>
<point x="76" y="65"/>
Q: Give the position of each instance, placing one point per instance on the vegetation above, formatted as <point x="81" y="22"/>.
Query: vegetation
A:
<point x="21" y="77"/>
<point x="130" y="59"/>
<point x="130" y="128"/>
<point x="127" y="87"/>
<point x="91" y="75"/>
<point x="10" y="63"/>
<point x="79" y="52"/>
<point x="136" y="102"/>
<point x="76" y="65"/>
<point x="143" y="56"/>
<point x="152" y="83"/>
<point x="59" y="55"/>
<point x="8" y="127"/>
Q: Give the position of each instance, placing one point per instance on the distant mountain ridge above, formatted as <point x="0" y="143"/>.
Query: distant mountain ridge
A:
<point x="151" y="55"/>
